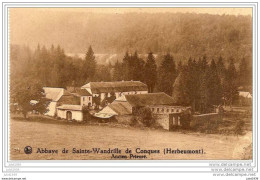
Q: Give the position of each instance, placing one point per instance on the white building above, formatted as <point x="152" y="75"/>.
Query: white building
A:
<point x="85" y="97"/>
<point x="70" y="112"/>
<point x="119" y="88"/>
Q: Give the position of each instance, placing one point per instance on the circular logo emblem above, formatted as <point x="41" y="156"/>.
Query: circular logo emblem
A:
<point x="28" y="150"/>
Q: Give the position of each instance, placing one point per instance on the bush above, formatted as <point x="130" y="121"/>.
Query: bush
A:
<point x="185" y="120"/>
<point x="146" y="116"/>
<point x="238" y="129"/>
<point x="86" y="114"/>
<point x="133" y="121"/>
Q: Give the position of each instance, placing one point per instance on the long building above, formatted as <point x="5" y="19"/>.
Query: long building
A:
<point x="119" y="88"/>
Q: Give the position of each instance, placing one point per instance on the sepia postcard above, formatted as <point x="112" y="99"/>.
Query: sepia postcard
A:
<point x="131" y="83"/>
<point x="93" y="83"/>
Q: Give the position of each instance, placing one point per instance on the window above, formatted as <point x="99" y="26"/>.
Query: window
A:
<point x="83" y="98"/>
<point x="152" y="109"/>
<point x="177" y="110"/>
<point x="158" y="109"/>
<point x="89" y="98"/>
<point x="162" y="110"/>
<point x="172" y="110"/>
<point x="168" y="110"/>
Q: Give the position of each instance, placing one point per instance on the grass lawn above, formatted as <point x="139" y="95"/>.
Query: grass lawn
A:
<point x="56" y="135"/>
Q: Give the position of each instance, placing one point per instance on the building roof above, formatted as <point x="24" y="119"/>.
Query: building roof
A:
<point x="69" y="99"/>
<point x="53" y="93"/>
<point x="78" y="91"/>
<point x="116" y="108"/>
<point x="139" y="100"/>
<point x="121" y="108"/>
<point x="245" y="94"/>
<point x="116" y="86"/>
<point x="70" y="107"/>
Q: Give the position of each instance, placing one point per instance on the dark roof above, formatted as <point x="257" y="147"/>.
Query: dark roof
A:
<point x="116" y="86"/>
<point x="78" y="91"/>
<point x="139" y="100"/>
<point x="69" y="99"/>
<point x="121" y="108"/>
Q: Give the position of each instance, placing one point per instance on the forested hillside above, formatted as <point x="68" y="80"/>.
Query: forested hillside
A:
<point x="201" y="60"/>
<point x="183" y="35"/>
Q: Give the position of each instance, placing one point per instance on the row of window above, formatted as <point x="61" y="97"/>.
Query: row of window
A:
<point x="120" y="93"/>
<point x="163" y="110"/>
<point x="127" y="93"/>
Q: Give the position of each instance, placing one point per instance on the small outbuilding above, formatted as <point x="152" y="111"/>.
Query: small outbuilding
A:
<point x="70" y="112"/>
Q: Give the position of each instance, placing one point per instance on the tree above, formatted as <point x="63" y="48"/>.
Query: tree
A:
<point x="102" y="73"/>
<point x="126" y="67"/>
<point x="214" y="85"/>
<point x="230" y="84"/>
<point x="89" y="65"/>
<point x="86" y="114"/>
<point x="221" y="69"/>
<point x="97" y="101"/>
<point x="117" y="72"/>
<point x="166" y="74"/>
<point x="150" y="72"/>
<point x="146" y="116"/>
<point x="24" y="93"/>
<point x="180" y="90"/>
<point x="137" y="68"/>
<point x="245" y="74"/>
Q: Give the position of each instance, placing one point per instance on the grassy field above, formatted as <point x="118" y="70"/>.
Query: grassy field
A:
<point x="56" y="135"/>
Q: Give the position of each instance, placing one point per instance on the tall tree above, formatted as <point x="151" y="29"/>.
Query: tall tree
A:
<point x="180" y="92"/>
<point x="150" y="72"/>
<point x="214" y="85"/>
<point x="230" y="84"/>
<point x="245" y="74"/>
<point x="24" y="92"/>
<point x="203" y="72"/>
<point x="221" y="69"/>
<point x="117" y="72"/>
<point x="166" y="74"/>
<point x="89" y="65"/>
<point x="137" y="69"/>
<point x="125" y="66"/>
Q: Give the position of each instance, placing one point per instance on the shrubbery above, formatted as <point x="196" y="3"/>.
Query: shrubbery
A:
<point x="238" y="129"/>
<point x="146" y="116"/>
<point x="86" y="114"/>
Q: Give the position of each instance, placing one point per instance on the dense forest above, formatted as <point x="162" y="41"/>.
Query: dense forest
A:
<point x="201" y="82"/>
<point x="183" y="35"/>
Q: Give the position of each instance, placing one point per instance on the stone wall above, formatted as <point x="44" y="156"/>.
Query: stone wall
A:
<point x="162" y="120"/>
